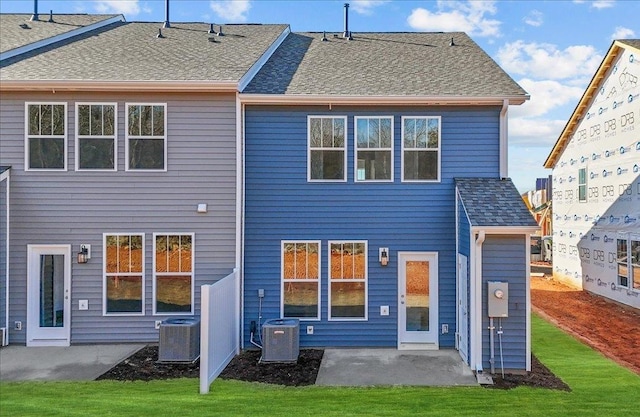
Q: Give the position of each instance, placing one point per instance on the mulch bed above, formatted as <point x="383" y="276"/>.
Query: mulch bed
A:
<point x="143" y="366"/>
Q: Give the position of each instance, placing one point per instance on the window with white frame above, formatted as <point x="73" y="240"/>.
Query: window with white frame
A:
<point x="146" y="137"/>
<point x="582" y="184"/>
<point x="96" y="136"/>
<point x="327" y="158"/>
<point x="628" y="260"/>
<point x="46" y="136"/>
<point x="374" y="148"/>
<point x="123" y="274"/>
<point x="301" y="279"/>
<point x="421" y="148"/>
<point x="348" y="280"/>
<point x="173" y="286"/>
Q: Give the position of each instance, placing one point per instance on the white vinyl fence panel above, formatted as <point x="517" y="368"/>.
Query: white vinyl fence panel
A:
<point x="220" y="328"/>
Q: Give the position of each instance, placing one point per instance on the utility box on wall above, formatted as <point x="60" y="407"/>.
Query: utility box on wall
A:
<point x="498" y="299"/>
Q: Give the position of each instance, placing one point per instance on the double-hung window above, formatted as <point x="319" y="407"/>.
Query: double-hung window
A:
<point x="46" y="136"/>
<point x="173" y="289"/>
<point x="628" y="260"/>
<point x="348" y="280"/>
<point x="123" y="274"/>
<point x="420" y="148"/>
<point x="146" y="129"/>
<point x="327" y="158"/>
<point x="301" y="279"/>
<point x="96" y="137"/>
<point x="582" y="184"/>
<point x="374" y="148"/>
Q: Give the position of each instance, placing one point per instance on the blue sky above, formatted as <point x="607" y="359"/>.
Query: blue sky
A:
<point x="551" y="48"/>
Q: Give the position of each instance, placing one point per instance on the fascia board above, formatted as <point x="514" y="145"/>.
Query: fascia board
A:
<point x="120" y="86"/>
<point x="378" y="100"/>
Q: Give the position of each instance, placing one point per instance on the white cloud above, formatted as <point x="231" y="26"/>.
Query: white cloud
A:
<point x="469" y="16"/>
<point x="231" y="10"/>
<point x="546" y="96"/>
<point x="546" y="61"/>
<point x="125" y="7"/>
<point x="366" y="6"/>
<point x="598" y="4"/>
<point x="623" y="33"/>
<point x="534" y="18"/>
<point x="534" y="132"/>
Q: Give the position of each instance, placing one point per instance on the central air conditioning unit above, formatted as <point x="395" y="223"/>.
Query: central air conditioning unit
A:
<point x="281" y="340"/>
<point x="179" y="340"/>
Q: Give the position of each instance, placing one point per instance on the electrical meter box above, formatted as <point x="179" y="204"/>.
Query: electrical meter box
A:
<point x="498" y="299"/>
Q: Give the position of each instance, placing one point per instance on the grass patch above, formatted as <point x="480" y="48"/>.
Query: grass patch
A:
<point x="600" y="388"/>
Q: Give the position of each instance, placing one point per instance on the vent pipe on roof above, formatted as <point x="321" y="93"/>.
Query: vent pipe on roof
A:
<point x="160" y="35"/>
<point x="166" y="15"/>
<point x="347" y="33"/>
<point x="324" y="37"/>
<point x="451" y="43"/>
<point x="51" y="16"/>
<point x="211" y="29"/>
<point x="220" y="31"/>
<point x="35" y="11"/>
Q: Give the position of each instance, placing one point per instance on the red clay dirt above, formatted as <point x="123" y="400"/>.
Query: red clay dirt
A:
<point x="611" y="328"/>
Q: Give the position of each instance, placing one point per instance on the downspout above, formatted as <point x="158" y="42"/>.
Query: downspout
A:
<point x="7" y="251"/>
<point x="504" y="142"/>
<point x="477" y="283"/>
<point x="240" y="215"/>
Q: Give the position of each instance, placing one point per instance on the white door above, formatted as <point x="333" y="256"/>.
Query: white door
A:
<point x="462" y="340"/>
<point x="417" y="300"/>
<point x="48" y="295"/>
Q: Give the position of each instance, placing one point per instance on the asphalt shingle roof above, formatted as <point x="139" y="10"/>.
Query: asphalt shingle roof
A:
<point x="13" y="36"/>
<point x="493" y="202"/>
<point x="383" y="64"/>
<point x="631" y="42"/>
<point x="130" y="51"/>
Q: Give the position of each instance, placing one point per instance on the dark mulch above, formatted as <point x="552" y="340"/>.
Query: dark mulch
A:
<point x="143" y="366"/>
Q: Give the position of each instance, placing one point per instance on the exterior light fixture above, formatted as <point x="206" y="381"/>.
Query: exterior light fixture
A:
<point x="383" y="256"/>
<point x="85" y="254"/>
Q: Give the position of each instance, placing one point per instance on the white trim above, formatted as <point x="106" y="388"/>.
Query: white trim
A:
<point x="365" y="280"/>
<point x="6" y="176"/>
<point x="381" y="149"/>
<point x="89" y="137"/>
<point x="61" y="37"/>
<point x="34" y="338"/>
<point x="191" y="274"/>
<point x="127" y="137"/>
<point x="318" y="280"/>
<point x="504" y="139"/>
<point x="105" y="313"/>
<point x="506" y="230"/>
<point x="344" y="148"/>
<point x="255" y="68"/>
<point x="438" y="149"/>
<point x="52" y="136"/>
<point x="475" y="354"/>
<point x="240" y="200"/>
<point x="331" y="100"/>
<point x="121" y="86"/>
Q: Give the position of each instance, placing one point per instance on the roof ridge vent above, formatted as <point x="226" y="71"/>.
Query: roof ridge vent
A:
<point x="160" y="35"/>
<point x="451" y="42"/>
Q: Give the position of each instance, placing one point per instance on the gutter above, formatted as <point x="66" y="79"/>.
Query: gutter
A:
<point x="119" y="86"/>
<point x="331" y="100"/>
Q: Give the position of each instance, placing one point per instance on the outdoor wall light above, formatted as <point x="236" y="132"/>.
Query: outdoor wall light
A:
<point x="383" y="256"/>
<point x="85" y="254"/>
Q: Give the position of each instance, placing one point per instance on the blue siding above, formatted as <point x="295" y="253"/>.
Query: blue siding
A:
<point x="504" y="259"/>
<point x="281" y="204"/>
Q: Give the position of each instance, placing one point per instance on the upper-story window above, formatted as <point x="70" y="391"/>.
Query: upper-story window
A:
<point x="374" y="148"/>
<point x="146" y="137"/>
<point x="582" y="184"/>
<point x="327" y="158"/>
<point x="96" y="136"/>
<point x="46" y="139"/>
<point x="421" y="148"/>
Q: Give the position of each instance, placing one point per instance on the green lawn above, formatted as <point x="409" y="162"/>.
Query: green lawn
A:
<point x="600" y="388"/>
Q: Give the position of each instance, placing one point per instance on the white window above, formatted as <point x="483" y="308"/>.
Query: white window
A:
<point x="146" y="137"/>
<point x="327" y="157"/>
<point x="123" y="274"/>
<point x="348" y="280"/>
<point x="628" y="260"/>
<point x="582" y="184"/>
<point x="421" y="149"/>
<point x="173" y="265"/>
<point x="96" y="132"/>
<point x="301" y="280"/>
<point x="374" y="148"/>
<point x="46" y="137"/>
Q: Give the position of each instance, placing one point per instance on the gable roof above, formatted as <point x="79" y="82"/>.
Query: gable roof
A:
<point x="494" y="202"/>
<point x="616" y="48"/>
<point x="128" y="55"/>
<point x="409" y="64"/>
<point x="19" y="34"/>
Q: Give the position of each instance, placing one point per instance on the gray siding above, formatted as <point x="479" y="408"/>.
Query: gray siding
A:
<point x="78" y="207"/>
<point x="504" y="259"/>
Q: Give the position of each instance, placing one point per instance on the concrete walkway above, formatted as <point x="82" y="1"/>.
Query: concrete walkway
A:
<point x="374" y="367"/>
<point x="74" y="363"/>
